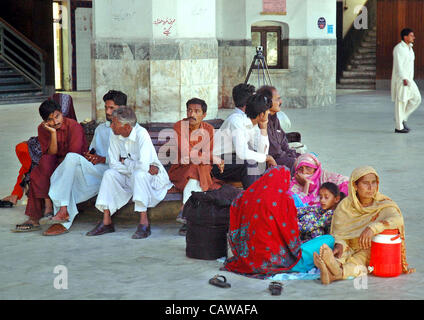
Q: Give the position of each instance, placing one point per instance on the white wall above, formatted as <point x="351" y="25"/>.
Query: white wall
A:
<point x="302" y="17"/>
<point x="317" y="9"/>
<point x="231" y="19"/>
<point x="295" y="18"/>
<point x="122" y="19"/>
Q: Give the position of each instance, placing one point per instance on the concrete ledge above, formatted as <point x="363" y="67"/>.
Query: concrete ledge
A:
<point x="164" y="211"/>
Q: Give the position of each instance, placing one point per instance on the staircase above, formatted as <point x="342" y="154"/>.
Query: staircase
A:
<point x="22" y="67"/>
<point x="15" y="88"/>
<point x="360" y="73"/>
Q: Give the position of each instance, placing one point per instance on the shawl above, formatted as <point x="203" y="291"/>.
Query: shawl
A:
<point x="351" y="218"/>
<point x="264" y="235"/>
<point x="319" y="177"/>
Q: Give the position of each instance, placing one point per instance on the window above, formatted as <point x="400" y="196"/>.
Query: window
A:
<point x="270" y="39"/>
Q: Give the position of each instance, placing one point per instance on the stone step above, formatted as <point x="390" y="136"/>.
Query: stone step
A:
<point x="356" y="86"/>
<point x="13" y="80"/>
<point x="369" y="44"/>
<point x="369" y="38"/>
<point x="356" y="62"/>
<point x="361" y="68"/>
<point x="364" y="56"/>
<point x="4" y="89"/>
<point x="358" y="80"/>
<point x="8" y="73"/>
<point x="362" y="74"/>
<point x="367" y="50"/>
<point x="373" y="33"/>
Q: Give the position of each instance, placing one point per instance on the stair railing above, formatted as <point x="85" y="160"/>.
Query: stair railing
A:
<point x="24" y="55"/>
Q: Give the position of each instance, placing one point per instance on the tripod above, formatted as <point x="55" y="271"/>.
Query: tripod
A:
<point x="262" y="68"/>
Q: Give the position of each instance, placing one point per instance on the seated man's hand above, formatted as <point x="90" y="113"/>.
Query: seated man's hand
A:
<point x="153" y="170"/>
<point x="94" y="158"/>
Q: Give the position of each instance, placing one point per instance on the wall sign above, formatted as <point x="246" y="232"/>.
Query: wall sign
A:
<point x="322" y="23"/>
<point x="274" y="7"/>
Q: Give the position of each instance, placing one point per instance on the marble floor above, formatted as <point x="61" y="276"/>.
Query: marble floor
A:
<point x="357" y="131"/>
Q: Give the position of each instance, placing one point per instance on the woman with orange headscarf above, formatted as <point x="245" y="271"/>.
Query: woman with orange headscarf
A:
<point x="364" y="213"/>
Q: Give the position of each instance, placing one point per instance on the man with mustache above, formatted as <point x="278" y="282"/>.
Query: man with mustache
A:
<point x="58" y="136"/>
<point x="278" y="143"/>
<point x="78" y="177"/>
<point x="191" y="171"/>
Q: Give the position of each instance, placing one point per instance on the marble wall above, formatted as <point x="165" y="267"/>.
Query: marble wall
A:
<point x="158" y="76"/>
<point x="309" y="81"/>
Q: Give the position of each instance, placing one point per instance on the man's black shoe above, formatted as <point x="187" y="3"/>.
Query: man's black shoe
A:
<point x="405" y="126"/>
<point x="404" y="130"/>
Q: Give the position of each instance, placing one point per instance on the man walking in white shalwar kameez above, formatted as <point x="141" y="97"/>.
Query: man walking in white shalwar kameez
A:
<point x="135" y="172"/>
<point x="405" y="92"/>
<point x="78" y="178"/>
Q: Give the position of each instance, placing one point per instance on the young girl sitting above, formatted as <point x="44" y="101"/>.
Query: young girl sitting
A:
<point x="315" y="221"/>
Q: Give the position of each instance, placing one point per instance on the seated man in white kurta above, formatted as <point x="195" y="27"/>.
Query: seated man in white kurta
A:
<point x="405" y="92"/>
<point x="135" y="172"/>
<point x="78" y="178"/>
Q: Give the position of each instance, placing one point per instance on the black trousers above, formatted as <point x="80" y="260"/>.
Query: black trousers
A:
<point x="238" y="170"/>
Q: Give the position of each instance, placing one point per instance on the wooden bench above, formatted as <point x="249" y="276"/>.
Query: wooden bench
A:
<point x="154" y="130"/>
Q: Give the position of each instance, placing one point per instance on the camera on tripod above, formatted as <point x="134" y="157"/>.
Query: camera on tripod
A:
<point x="260" y="51"/>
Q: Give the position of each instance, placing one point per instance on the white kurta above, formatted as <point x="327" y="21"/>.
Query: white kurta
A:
<point x="131" y="178"/>
<point x="76" y="179"/>
<point x="238" y="135"/>
<point x="406" y="98"/>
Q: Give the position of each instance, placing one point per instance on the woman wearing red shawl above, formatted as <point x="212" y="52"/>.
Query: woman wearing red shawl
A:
<point x="309" y="176"/>
<point x="264" y="235"/>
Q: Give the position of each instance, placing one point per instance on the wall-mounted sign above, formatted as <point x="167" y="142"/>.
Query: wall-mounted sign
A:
<point x="274" y="7"/>
<point x="330" y="29"/>
<point x="322" y="23"/>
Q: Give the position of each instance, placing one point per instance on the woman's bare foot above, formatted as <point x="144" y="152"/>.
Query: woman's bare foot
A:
<point x="12" y="198"/>
<point x="326" y="254"/>
<point x="326" y="277"/>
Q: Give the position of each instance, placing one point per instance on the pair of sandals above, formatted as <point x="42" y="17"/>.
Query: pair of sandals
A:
<point x="275" y="287"/>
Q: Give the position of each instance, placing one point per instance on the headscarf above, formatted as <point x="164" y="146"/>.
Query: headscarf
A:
<point x="264" y="235"/>
<point x="319" y="177"/>
<point x="351" y="218"/>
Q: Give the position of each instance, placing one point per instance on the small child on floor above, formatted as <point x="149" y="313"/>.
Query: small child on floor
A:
<point x="315" y="221"/>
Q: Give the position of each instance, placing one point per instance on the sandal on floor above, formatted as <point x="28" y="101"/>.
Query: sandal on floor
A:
<point x="46" y="218"/>
<point x="26" y="227"/>
<point x="275" y="287"/>
<point x="215" y="281"/>
<point x="6" y="204"/>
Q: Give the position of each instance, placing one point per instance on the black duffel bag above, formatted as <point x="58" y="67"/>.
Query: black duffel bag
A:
<point x="208" y="217"/>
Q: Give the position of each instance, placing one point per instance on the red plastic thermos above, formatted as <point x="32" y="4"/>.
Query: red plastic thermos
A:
<point x="386" y="254"/>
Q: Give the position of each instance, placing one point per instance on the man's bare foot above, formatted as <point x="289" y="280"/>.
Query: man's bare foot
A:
<point x="61" y="215"/>
<point x="48" y="206"/>
<point x="325" y="274"/>
<point x="12" y="198"/>
<point x="326" y="254"/>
